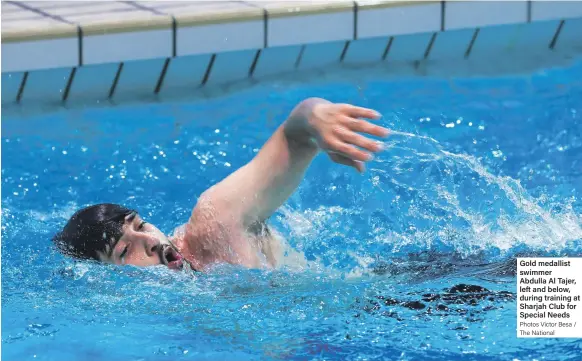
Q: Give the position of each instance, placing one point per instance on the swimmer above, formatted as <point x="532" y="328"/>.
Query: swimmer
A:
<point x="228" y="223"/>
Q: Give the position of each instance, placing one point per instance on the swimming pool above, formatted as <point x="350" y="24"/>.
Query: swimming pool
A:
<point x="413" y="260"/>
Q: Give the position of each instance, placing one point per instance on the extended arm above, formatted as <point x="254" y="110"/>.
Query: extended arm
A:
<point x="256" y="190"/>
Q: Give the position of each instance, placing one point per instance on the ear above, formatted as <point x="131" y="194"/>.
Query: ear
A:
<point x="102" y="256"/>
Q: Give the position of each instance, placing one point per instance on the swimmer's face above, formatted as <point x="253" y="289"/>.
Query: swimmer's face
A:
<point x="142" y="245"/>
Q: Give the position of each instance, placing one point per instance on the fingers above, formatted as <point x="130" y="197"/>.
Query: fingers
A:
<point x="359" y="112"/>
<point x="349" y="151"/>
<point x="361" y="141"/>
<point x="340" y="159"/>
<point x="362" y="126"/>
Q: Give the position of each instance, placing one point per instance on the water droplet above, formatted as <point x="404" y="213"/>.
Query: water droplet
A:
<point x="450" y="125"/>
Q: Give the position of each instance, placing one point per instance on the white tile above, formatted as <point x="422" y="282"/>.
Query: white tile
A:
<point x="214" y="38"/>
<point x="409" y="47"/>
<point x="108" y="35"/>
<point x="138" y="78"/>
<point x="72" y="9"/>
<point x="211" y="27"/>
<point x="366" y="50"/>
<point x="185" y="72"/>
<point x="52" y="5"/>
<point x="46" y="86"/>
<point x="231" y="66"/>
<point x="40" y="54"/>
<point x="12" y="12"/>
<point x="302" y="7"/>
<point x="451" y="44"/>
<point x="307" y="29"/>
<point x="399" y="20"/>
<point x="549" y="10"/>
<point x="92" y="83"/>
<point x="9" y="8"/>
<point x="276" y="60"/>
<point x="18" y="17"/>
<point x="184" y="8"/>
<point x="10" y="84"/>
<point x="138" y="45"/>
<point x="319" y="55"/>
<point x="33" y="26"/>
<point x="472" y="14"/>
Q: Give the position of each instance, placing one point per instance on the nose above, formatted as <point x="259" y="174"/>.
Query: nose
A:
<point x="152" y="246"/>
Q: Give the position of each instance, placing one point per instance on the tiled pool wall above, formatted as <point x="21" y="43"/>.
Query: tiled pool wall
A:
<point x="69" y="52"/>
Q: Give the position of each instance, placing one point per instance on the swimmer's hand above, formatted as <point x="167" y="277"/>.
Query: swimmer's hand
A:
<point x="336" y="129"/>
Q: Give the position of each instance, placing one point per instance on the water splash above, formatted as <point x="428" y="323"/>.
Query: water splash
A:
<point x="432" y="200"/>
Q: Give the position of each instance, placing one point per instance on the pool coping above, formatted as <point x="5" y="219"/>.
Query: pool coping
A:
<point x="51" y="22"/>
<point x="259" y="10"/>
<point x="141" y="46"/>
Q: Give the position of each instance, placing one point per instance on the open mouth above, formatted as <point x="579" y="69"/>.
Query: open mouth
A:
<point x="171" y="258"/>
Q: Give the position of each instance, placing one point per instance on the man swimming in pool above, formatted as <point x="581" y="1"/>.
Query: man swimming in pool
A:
<point x="228" y="222"/>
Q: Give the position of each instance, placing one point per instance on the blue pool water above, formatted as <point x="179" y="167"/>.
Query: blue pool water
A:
<point x="479" y="170"/>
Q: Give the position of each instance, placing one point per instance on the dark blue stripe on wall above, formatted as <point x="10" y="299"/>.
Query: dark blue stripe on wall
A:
<point x="255" y="61"/>
<point x="80" y="45"/>
<point x="556" y="35"/>
<point x="430" y="44"/>
<point x="69" y="84"/>
<point x="21" y="89"/>
<point x="472" y="43"/>
<point x="443" y="14"/>
<point x="115" y="81"/>
<point x="388" y="46"/>
<point x="345" y="51"/>
<point x="265" y="28"/>
<point x="299" y="57"/>
<point x="208" y="69"/>
<point x="162" y="76"/>
<point x="355" y="20"/>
